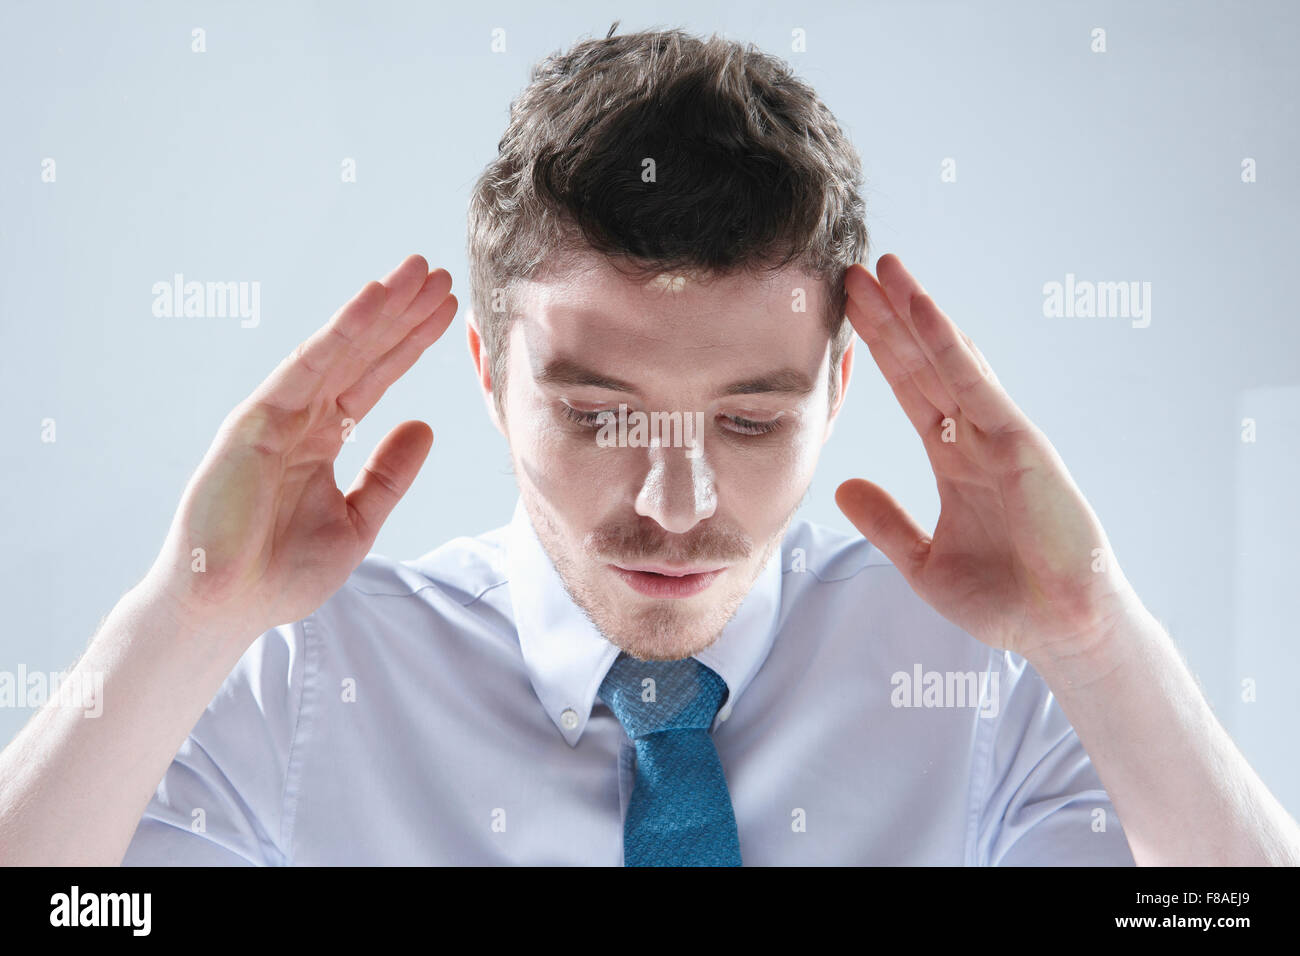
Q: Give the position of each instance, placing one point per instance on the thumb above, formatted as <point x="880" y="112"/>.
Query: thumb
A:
<point x="884" y="523"/>
<point x="386" y="476"/>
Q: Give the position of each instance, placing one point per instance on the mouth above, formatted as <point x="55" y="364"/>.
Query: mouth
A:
<point x="663" y="581"/>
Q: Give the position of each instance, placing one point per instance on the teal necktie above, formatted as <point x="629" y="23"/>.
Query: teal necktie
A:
<point x="680" y="810"/>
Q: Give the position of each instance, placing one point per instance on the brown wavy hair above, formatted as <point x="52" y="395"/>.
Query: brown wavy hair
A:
<point x="755" y="173"/>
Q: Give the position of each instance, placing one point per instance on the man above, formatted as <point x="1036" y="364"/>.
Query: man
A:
<point x="653" y="663"/>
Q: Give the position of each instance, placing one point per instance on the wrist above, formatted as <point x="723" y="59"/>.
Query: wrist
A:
<point x="152" y="599"/>
<point x="1091" y="657"/>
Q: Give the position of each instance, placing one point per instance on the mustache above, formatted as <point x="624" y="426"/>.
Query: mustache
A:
<point x="648" y="541"/>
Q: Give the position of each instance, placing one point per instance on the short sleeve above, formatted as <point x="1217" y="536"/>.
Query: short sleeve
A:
<point x="222" y="800"/>
<point x="1044" y="804"/>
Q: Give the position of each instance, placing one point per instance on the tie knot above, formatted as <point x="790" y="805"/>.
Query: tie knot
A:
<point x="650" y="696"/>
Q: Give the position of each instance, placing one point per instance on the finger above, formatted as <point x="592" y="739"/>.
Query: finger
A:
<point x="407" y="286"/>
<point x="386" y="476"/>
<point x="985" y="367"/>
<point x="885" y="523"/>
<point x="361" y="397"/>
<point x="403" y="283"/>
<point x="979" y="396"/>
<point x="920" y="412"/>
<point x="434" y="292"/>
<point x="430" y="293"/>
<point x="304" y="372"/>
<point x="341" y="350"/>
<point x="869" y="308"/>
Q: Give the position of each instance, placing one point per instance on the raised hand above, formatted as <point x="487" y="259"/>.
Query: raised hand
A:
<point x="263" y="535"/>
<point x="1018" y="558"/>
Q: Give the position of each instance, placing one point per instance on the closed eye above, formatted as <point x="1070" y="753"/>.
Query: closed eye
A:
<point x="732" y="423"/>
<point x="745" y="426"/>
<point x="587" y="419"/>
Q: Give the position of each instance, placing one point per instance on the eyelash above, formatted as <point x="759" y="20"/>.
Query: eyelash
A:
<point x="744" y="426"/>
<point x="587" y="419"/>
<point x="748" y="427"/>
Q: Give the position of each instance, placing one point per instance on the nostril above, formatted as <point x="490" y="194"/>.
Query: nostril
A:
<point x="678" y="491"/>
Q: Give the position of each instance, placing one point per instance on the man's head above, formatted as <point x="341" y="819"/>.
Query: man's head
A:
<point x="666" y="228"/>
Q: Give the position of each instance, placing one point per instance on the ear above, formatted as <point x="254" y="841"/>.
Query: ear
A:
<point x="845" y="372"/>
<point x="482" y="367"/>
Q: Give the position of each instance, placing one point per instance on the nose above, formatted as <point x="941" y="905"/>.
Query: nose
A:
<point x="678" y="491"/>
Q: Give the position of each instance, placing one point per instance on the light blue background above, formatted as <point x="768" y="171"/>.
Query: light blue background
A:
<point x="1123" y="165"/>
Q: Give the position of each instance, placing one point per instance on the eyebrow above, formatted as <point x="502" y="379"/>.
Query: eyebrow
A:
<point x="564" y="371"/>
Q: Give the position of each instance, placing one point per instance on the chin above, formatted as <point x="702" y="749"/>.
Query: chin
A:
<point x="660" y="634"/>
<point x="658" y="630"/>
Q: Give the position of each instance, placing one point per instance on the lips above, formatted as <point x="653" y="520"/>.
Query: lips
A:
<point x="668" y="570"/>
<point x="664" y="581"/>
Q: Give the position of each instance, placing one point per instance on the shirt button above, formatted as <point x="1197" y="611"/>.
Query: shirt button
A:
<point x="569" y="719"/>
<point x="724" y="713"/>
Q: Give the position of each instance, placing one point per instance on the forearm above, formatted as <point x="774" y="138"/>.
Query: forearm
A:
<point x="1184" y="792"/>
<point x="74" y="787"/>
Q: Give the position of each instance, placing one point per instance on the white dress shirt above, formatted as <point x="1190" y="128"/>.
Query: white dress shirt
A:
<point x="445" y="711"/>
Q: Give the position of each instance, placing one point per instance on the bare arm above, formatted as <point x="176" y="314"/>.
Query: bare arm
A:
<point x="75" y="787"/>
<point x="1184" y="791"/>
<point x="262" y="537"/>
<point x="1019" y="560"/>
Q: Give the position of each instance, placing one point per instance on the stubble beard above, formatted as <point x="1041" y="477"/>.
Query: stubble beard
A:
<point x="654" y="630"/>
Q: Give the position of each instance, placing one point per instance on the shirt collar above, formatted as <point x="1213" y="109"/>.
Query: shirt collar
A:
<point x="567" y="658"/>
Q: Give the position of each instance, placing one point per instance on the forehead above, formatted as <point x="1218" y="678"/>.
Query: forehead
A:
<point x="595" y="311"/>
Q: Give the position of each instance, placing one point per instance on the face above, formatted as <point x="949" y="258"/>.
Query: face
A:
<point x="663" y="435"/>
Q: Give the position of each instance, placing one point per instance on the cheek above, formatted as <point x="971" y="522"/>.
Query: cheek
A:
<point x="764" y="483"/>
<point x="577" y="478"/>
